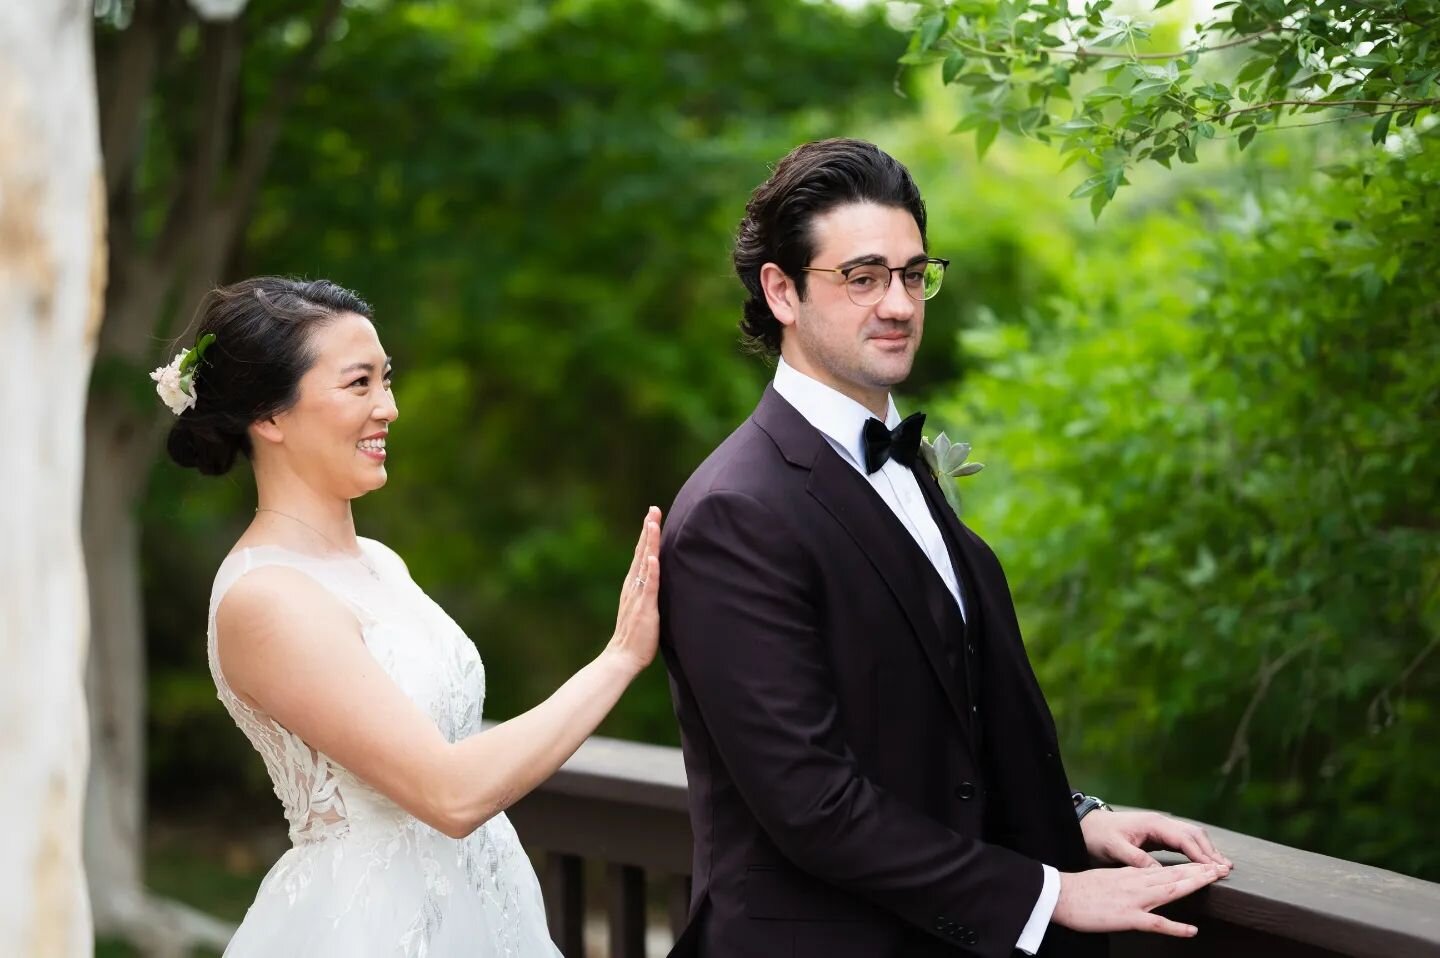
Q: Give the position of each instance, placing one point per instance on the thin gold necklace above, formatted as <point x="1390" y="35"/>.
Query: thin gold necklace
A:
<point x="328" y="541"/>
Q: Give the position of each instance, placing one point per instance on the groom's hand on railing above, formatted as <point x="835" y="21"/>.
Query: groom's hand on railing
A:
<point x="1123" y="838"/>
<point x="1121" y="899"/>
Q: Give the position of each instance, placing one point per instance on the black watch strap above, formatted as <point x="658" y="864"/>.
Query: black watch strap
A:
<point x="1085" y="804"/>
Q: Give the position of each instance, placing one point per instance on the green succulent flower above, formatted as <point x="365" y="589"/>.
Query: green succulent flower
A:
<point x="948" y="460"/>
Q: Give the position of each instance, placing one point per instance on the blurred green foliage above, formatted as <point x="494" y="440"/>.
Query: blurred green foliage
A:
<point x="1213" y="477"/>
<point x="1209" y="423"/>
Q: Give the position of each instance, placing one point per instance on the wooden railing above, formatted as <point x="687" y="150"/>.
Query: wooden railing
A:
<point x="620" y="806"/>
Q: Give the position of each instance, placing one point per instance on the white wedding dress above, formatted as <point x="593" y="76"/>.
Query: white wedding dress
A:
<point x="363" y="877"/>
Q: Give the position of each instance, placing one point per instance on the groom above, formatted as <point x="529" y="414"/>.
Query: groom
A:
<point x="873" y="769"/>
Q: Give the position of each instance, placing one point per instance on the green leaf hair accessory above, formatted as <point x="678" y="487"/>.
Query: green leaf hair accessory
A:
<point x="947" y="459"/>
<point x="175" y="383"/>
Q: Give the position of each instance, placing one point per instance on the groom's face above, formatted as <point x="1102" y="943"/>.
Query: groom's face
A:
<point x="861" y="351"/>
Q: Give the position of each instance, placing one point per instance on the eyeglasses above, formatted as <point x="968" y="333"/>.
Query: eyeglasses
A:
<point x="867" y="283"/>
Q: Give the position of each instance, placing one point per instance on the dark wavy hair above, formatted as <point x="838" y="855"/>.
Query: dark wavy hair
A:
<point x="811" y="180"/>
<point x="252" y="370"/>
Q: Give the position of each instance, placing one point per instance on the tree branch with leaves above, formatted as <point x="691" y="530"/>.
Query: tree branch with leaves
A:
<point x="1086" y="82"/>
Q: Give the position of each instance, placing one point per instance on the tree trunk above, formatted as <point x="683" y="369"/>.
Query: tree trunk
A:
<point x="156" y="283"/>
<point x="115" y="675"/>
<point x="52" y="269"/>
<point x="122" y="441"/>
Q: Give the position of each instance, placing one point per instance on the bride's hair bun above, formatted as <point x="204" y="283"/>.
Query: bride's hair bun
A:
<point x="252" y="369"/>
<point x="212" y="455"/>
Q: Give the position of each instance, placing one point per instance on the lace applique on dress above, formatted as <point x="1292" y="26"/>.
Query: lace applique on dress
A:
<point x="364" y="877"/>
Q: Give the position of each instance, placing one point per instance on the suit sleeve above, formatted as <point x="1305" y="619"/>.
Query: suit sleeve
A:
<point x="742" y="624"/>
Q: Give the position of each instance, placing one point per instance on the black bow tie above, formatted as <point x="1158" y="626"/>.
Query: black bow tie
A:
<point x="901" y="443"/>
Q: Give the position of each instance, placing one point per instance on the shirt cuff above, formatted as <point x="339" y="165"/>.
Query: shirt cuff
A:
<point x="1034" y="932"/>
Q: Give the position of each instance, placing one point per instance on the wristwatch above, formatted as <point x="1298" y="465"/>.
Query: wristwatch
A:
<point x="1085" y="804"/>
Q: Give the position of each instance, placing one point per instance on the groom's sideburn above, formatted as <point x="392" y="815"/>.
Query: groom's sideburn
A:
<point x="871" y="773"/>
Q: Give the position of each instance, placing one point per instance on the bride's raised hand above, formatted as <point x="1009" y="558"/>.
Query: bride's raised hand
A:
<point x="637" y="624"/>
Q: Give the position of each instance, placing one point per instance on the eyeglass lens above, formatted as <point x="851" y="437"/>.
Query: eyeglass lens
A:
<point x="868" y="284"/>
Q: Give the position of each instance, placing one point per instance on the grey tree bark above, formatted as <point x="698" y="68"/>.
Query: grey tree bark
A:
<point x="52" y="271"/>
<point x="156" y="280"/>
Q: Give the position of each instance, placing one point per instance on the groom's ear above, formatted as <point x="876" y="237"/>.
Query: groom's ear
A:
<point x="780" y="293"/>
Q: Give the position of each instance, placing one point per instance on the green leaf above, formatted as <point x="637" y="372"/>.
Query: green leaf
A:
<point x="1254" y="69"/>
<point x="954" y="63"/>
<point x="930" y="29"/>
<point x="984" y="136"/>
<point x="979" y="82"/>
<point x="1381" y="129"/>
<point x="1098" y="202"/>
<point x="1147" y="90"/>
<point x="194" y="355"/>
<point x="1246" y="135"/>
<point x="1101" y="94"/>
<point x="1090" y="186"/>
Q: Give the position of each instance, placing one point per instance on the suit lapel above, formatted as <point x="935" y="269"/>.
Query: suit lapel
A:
<point x="955" y="544"/>
<point x="884" y="542"/>
<point x="978" y="595"/>
<point x="879" y="536"/>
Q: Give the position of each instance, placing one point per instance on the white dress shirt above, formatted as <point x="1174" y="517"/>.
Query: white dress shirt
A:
<point x="841" y="420"/>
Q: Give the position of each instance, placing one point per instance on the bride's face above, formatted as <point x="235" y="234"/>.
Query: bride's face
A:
<point x="334" y="436"/>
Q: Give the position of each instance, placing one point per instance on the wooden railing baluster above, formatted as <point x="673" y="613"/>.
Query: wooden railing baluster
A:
<point x="565" y="902"/>
<point x="627" y="910"/>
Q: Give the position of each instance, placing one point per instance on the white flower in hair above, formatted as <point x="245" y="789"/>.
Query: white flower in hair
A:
<point x="175" y="383"/>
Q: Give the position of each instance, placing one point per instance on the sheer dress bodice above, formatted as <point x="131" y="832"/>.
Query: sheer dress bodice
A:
<point x="363" y="876"/>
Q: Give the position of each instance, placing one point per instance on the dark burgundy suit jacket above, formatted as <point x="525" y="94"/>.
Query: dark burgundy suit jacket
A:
<point x="869" y="775"/>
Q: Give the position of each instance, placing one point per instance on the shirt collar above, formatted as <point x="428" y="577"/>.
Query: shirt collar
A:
<point x="832" y="412"/>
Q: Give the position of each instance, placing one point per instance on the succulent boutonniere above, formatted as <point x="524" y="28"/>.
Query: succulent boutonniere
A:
<point x="947" y="460"/>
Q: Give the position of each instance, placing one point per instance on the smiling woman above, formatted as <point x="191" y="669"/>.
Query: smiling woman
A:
<point x="361" y="695"/>
<point x="262" y="346"/>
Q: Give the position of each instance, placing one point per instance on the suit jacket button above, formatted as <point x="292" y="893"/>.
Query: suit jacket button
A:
<point x="970" y="937"/>
<point x="965" y="791"/>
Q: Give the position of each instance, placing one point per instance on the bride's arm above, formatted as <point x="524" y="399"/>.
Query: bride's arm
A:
<point x="290" y="648"/>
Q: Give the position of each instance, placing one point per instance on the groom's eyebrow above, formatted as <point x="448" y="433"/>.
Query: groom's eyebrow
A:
<point x="867" y="259"/>
<point x="864" y="259"/>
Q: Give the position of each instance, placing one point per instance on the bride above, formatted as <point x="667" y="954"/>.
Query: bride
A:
<point x="361" y="695"/>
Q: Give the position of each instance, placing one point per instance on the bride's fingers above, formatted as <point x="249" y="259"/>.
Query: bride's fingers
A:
<point x="643" y="546"/>
<point x="635" y="586"/>
<point x="639" y="550"/>
<point x="640" y="597"/>
<point x="647" y="595"/>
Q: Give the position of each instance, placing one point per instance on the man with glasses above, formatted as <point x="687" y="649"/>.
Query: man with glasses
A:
<point x="873" y="770"/>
